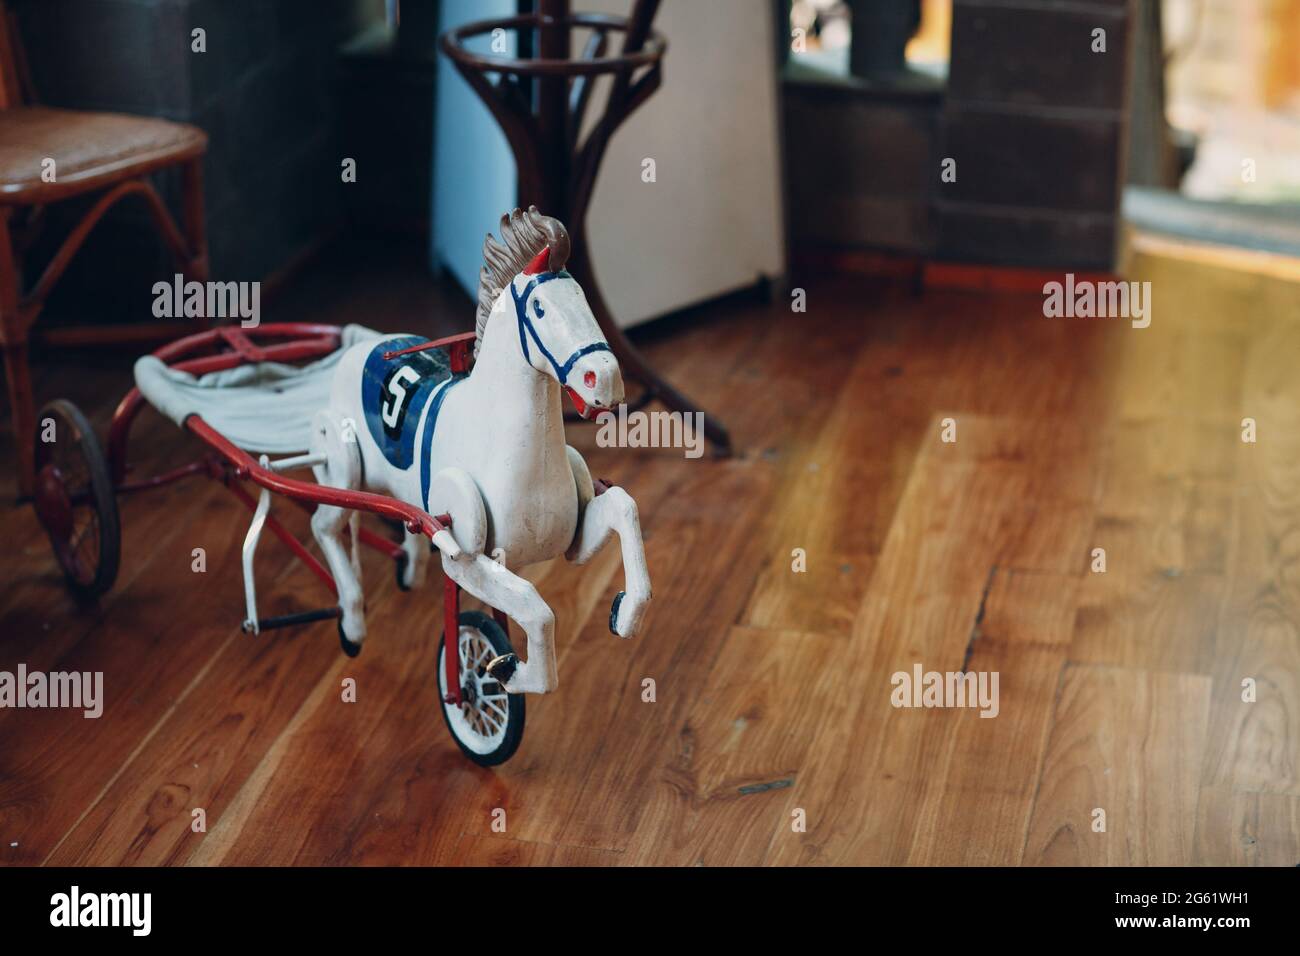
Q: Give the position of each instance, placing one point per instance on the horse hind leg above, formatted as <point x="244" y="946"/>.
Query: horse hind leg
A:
<point x="453" y="491"/>
<point x="411" y="574"/>
<point x="342" y="469"/>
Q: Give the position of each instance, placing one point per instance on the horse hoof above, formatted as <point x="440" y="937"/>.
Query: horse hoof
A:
<point x="349" y="648"/>
<point x="503" y="668"/>
<point x="402" y="561"/>
<point x="613" y="613"/>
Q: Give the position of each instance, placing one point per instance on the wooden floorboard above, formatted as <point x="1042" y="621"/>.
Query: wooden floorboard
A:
<point x="1121" y="777"/>
<point x="844" y="543"/>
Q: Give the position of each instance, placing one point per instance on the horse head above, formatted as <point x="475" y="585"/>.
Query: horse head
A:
<point x="557" y="334"/>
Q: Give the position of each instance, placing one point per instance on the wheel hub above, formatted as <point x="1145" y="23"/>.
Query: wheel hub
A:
<point x="469" y="693"/>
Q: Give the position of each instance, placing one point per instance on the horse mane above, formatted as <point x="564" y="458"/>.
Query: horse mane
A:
<point x="523" y="235"/>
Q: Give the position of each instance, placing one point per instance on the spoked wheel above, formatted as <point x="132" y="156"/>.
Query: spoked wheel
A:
<point x="74" y="499"/>
<point x="488" y="724"/>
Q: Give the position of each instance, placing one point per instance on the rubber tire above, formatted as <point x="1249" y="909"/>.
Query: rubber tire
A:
<point x="515" y="705"/>
<point x="103" y="498"/>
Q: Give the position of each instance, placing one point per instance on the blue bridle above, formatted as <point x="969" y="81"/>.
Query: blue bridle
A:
<point x="526" y="328"/>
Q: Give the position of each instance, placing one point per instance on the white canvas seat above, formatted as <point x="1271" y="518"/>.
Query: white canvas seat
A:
<point x="264" y="407"/>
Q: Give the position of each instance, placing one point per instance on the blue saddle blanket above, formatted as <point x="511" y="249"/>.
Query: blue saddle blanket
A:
<point x="394" y="393"/>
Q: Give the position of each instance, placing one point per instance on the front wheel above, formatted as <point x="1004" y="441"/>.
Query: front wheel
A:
<point x="488" y="723"/>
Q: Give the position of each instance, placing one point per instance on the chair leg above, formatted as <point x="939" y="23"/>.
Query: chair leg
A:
<point x="13" y="341"/>
<point x="22" y="411"/>
<point x="193" y="220"/>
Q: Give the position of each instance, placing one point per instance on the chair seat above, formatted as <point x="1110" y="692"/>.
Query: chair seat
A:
<point x="90" y="150"/>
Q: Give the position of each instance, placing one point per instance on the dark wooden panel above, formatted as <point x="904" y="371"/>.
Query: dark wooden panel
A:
<point x="1100" y="7"/>
<point x="1046" y="162"/>
<point x="1035" y="120"/>
<point x="861" y="171"/>
<point x="1037" y="57"/>
<point x="905" y="226"/>
<point x="1004" y="236"/>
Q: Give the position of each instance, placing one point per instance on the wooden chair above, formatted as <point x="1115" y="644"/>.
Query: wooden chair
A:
<point x="106" y="153"/>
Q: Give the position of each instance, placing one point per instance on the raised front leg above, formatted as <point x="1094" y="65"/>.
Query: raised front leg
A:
<point x="498" y="587"/>
<point x="609" y="512"/>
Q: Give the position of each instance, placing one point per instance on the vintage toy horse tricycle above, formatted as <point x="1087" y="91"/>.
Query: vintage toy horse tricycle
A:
<point x="466" y="451"/>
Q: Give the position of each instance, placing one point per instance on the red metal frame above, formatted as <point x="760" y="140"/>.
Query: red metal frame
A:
<point x="166" y="478"/>
<point x="230" y="464"/>
<point x="322" y="340"/>
<point x="451" y="637"/>
<point x="457" y="347"/>
<point x="294" y="545"/>
<point x="416" y="520"/>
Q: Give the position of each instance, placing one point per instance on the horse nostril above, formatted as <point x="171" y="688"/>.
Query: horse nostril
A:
<point x="589" y="379"/>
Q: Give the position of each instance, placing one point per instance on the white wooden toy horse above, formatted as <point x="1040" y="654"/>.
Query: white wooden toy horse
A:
<point x="487" y="448"/>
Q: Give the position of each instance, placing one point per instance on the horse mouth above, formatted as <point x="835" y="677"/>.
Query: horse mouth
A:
<point x="587" y="410"/>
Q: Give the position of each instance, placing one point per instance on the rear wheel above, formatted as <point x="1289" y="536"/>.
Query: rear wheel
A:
<point x="488" y="724"/>
<point x="74" y="499"/>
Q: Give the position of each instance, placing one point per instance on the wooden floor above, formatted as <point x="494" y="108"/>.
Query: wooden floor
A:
<point x="1119" y="691"/>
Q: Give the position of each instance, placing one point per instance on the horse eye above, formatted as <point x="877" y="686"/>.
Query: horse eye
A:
<point x="537" y="309"/>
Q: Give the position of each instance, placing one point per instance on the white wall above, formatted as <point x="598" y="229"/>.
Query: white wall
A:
<point x="713" y="221"/>
<point x="710" y="224"/>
